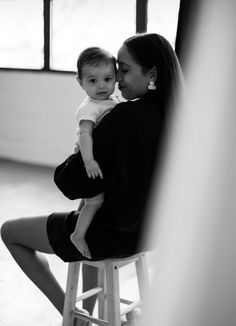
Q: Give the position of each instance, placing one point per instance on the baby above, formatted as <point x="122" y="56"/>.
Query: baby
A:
<point x="97" y="76"/>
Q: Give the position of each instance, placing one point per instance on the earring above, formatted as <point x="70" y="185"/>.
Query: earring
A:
<point x="151" y="86"/>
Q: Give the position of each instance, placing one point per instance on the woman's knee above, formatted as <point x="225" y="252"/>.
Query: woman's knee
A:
<point x="30" y="232"/>
<point x="12" y="231"/>
<point x="7" y="231"/>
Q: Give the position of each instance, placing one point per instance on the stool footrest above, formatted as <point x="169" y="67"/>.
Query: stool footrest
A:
<point x="89" y="293"/>
<point x="94" y="320"/>
<point x="131" y="307"/>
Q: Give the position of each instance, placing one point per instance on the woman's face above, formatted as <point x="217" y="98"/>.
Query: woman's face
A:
<point x="133" y="83"/>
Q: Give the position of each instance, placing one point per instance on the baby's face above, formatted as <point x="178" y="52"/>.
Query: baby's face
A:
<point x="98" y="81"/>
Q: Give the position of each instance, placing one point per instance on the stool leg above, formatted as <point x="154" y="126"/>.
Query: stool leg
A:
<point x="142" y="276"/>
<point x="113" y="294"/>
<point x="71" y="293"/>
<point x="102" y="313"/>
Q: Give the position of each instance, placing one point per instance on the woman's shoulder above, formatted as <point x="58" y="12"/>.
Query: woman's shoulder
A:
<point x="147" y="102"/>
<point x="132" y="112"/>
<point x="122" y="112"/>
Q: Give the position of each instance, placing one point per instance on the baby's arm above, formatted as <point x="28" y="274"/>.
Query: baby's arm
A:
<point x="86" y="148"/>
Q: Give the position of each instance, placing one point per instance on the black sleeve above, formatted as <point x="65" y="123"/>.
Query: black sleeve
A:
<point x="71" y="177"/>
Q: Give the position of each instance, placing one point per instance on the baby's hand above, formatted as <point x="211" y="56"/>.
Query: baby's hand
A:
<point x="93" y="169"/>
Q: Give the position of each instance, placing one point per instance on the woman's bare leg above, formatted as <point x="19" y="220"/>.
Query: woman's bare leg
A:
<point x="26" y="239"/>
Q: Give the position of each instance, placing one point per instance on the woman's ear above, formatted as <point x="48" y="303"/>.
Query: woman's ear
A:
<point x="153" y="74"/>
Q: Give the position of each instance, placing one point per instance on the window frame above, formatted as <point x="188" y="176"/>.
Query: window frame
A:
<point x="141" y="27"/>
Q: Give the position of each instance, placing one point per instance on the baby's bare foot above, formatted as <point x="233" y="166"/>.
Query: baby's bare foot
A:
<point x="81" y="245"/>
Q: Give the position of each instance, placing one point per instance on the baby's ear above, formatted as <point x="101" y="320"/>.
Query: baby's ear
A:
<point x="79" y="80"/>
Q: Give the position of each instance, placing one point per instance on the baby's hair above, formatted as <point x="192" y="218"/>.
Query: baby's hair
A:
<point x="94" y="56"/>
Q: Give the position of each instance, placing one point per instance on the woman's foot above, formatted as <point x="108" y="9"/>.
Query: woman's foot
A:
<point x="81" y="322"/>
<point x="131" y="318"/>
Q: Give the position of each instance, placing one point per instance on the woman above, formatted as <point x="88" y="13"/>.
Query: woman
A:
<point x="128" y="147"/>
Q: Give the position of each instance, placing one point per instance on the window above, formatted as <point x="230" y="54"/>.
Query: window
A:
<point x="79" y="24"/>
<point x="21" y="34"/>
<point x="163" y="18"/>
<point x="50" y="34"/>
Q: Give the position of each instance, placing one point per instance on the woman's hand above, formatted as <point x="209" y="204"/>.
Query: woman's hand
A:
<point x="93" y="170"/>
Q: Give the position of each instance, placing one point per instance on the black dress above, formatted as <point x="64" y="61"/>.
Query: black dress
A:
<point x="127" y="144"/>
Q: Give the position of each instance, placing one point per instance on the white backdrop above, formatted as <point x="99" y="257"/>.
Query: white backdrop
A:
<point x="37" y="121"/>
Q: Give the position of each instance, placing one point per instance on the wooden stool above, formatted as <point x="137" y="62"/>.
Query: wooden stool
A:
<point x="107" y="291"/>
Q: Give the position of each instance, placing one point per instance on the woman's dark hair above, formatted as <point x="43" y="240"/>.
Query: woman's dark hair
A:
<point x="94" y="56"/>
<point x="153" y="50"/>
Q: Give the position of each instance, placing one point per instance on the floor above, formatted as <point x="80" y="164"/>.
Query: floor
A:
<point x="28" y="190"/>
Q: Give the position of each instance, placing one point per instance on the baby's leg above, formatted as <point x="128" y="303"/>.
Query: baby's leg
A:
<point x="84" y="220"/>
